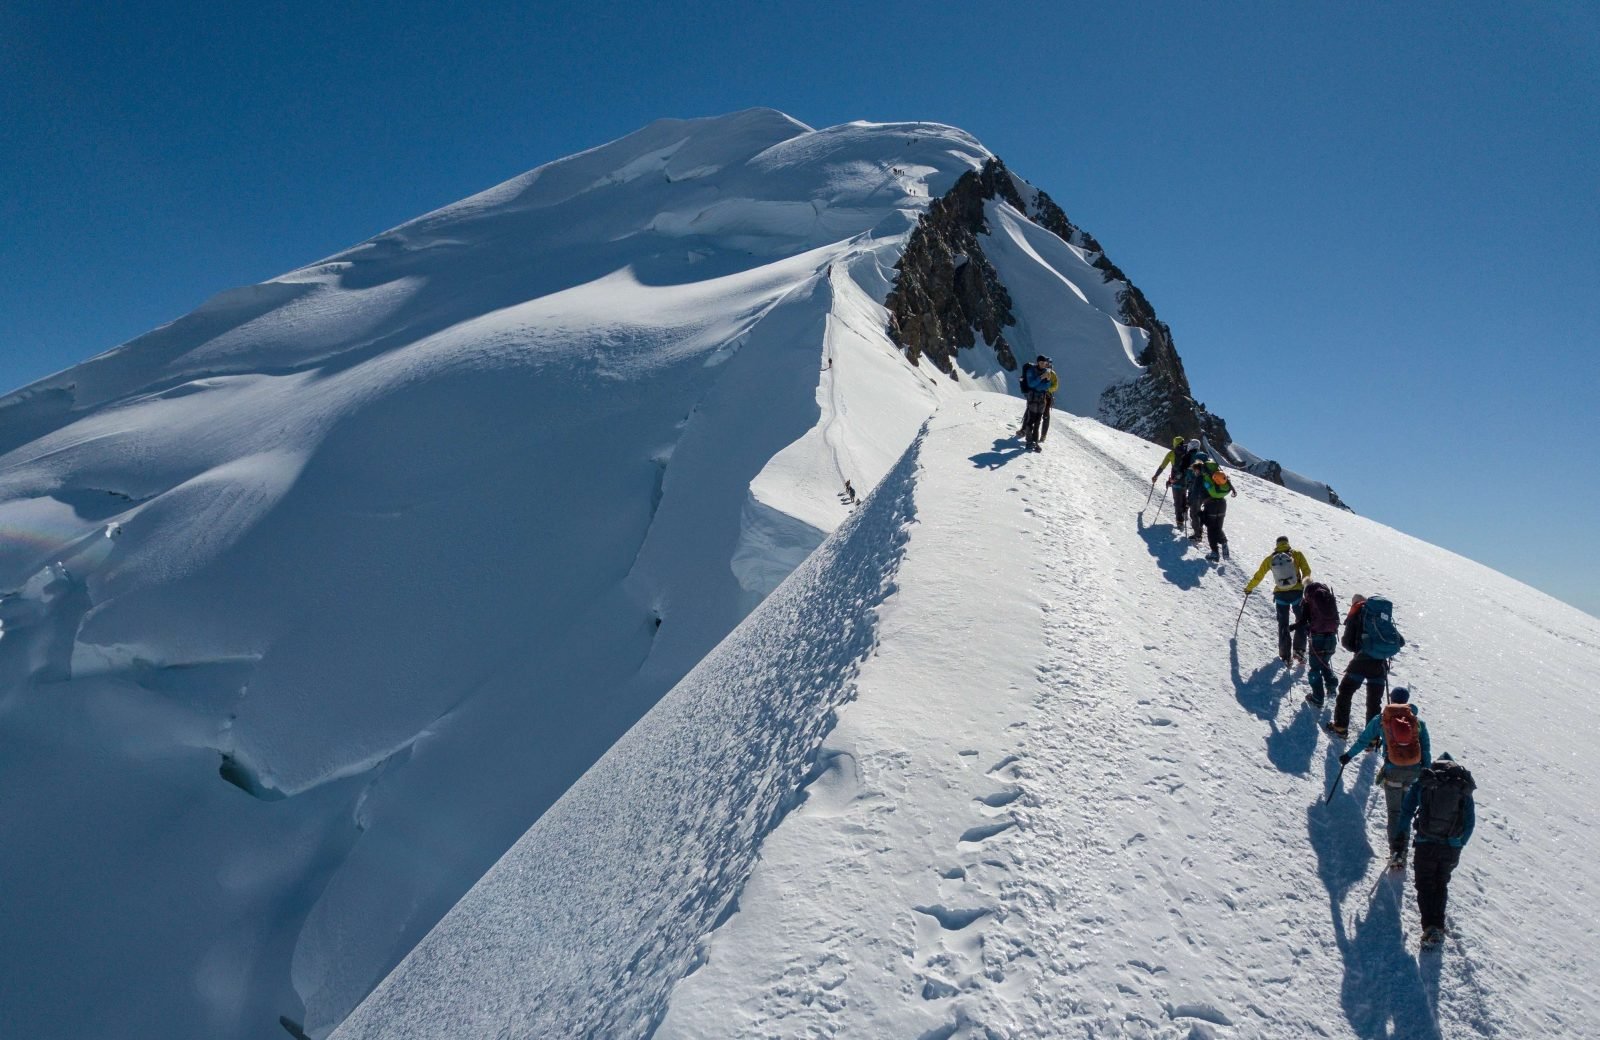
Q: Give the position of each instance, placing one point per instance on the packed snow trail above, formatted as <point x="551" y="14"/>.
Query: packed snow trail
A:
<point x="1057" y="800"/>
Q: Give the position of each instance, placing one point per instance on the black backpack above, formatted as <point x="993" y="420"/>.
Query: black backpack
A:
<point x="1322" y="609"/>
<point x="1446" y="791"/>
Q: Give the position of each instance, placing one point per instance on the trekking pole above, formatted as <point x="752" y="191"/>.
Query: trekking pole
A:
<point x="1241" y="614"/>
<point x="1161" y="504"/>
<point x="1335" y="785"/>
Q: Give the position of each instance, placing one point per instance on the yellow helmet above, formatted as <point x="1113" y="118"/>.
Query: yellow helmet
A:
<point x="1177" y="442"/>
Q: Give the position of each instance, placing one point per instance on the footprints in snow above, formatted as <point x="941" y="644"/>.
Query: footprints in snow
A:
<point x="954" y="952"/>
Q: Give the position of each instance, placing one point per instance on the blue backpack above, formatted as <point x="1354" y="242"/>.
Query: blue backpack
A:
<point x="1379" y="636"/>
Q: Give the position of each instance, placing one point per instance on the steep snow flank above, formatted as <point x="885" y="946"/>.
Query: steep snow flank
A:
<point x="1057" y="800"/>
<point x="404" y="541"/>
<point x="581" y="929"/>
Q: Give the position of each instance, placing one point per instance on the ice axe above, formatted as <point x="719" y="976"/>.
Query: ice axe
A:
<point x="1240" y="612"/>
<point x="1151" y="495"/>
<point x="1160" y="504"/>
<point x="1335" y="785"/>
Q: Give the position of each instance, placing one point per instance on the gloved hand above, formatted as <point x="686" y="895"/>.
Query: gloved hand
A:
<point x="1344" y="759"/>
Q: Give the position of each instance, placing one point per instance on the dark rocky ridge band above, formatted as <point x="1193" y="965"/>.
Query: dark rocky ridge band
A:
<point x="947" y="294"/>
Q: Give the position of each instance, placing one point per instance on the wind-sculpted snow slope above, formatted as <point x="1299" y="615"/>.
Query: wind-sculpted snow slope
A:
<point x="319" y="596"/>
<point x="581" y="929"/>
<point x="315" y="599"/>
<point x="1062" y="803"/>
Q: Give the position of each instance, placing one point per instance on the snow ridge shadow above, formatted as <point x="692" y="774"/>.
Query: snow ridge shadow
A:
<point x="598" y="933"/>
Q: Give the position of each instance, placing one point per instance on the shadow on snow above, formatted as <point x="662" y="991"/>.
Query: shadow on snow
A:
<point x="1170" y="553"/>
<point x="1384" y="993"/>
<point x="1261" y="694"/>
<point x="1005" y="449"/>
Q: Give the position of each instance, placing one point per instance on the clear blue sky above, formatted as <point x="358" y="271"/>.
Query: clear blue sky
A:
<point x="1373" y="228"/>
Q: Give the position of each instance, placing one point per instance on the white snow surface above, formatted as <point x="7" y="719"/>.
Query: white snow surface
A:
<point x="314" y="599"/>
<point x="404" y="541"/>
<point x="317" y="598"/>
<point x="1010" y="776"/>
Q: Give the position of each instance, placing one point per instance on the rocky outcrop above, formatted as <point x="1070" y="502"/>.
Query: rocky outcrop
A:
<point x="947" y="292"/>
<point x="947" y="295"/>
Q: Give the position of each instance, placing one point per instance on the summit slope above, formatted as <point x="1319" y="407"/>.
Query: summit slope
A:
<point x="1046" y="795"/>
<point x="316" y="598"/>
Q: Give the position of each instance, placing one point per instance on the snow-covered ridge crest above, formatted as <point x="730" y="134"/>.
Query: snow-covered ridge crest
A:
<point x="406" y="539"/>
<point x="317" y="598"/>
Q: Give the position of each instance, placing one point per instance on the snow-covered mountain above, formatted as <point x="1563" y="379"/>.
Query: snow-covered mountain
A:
<point x="323" y="594"/>
<point x="1028" y="784"/>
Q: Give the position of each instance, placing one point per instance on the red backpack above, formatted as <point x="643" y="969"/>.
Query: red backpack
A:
<point x="1402" y="736"/>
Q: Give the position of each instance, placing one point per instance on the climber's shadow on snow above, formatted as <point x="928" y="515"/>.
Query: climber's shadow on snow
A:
<point x="1261" y="694"/>
<point x="1005" y="449"/>
<point x="1382" y="993"/>
<point x="1171" y="554"/>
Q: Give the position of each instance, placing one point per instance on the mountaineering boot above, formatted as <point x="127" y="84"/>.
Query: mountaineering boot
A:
<point x="1432" y="938"/>
<point x="1336" y="730"/>
<point x="1300" y="660"/>
<point x="1398" y="860"/>
<point x="1315" y="701"/>
<point x="1212" y="556"/>
<point x="1225" y="551"/>
<point x="1284" y="658"/>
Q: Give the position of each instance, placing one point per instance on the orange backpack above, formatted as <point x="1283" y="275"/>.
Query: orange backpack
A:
<point x="1402" y="737"/>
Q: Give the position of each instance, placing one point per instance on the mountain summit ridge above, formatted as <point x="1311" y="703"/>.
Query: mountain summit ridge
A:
<point x="302" y="583"/>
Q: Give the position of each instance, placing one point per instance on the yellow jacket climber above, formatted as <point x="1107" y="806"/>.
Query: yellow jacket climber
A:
<point x="1282" y="580"/>
<point x="1171" y="459"/>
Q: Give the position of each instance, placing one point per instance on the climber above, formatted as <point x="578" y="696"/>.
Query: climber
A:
<point x="1322" y="626"/>
<point x="1177" y="479"/>
<point x="1289" y="571"/>
<point x="1438" y="809"/>
<point x="1039" y="383"/>
<point x="1406" y="753"/>
<point x="1212" y="487"/>
<point x="1370" y="634"/>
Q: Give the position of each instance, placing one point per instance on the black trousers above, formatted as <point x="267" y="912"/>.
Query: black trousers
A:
<point x="1361" y="669"/>
<point x="1433" y="865"/>
<point x="1214" y="510"/>
<point x="1030" y="424"/>
<point x="1286" y="603"/>
<point x="1322" y="680"/>
<point x="1180" y="502"/>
